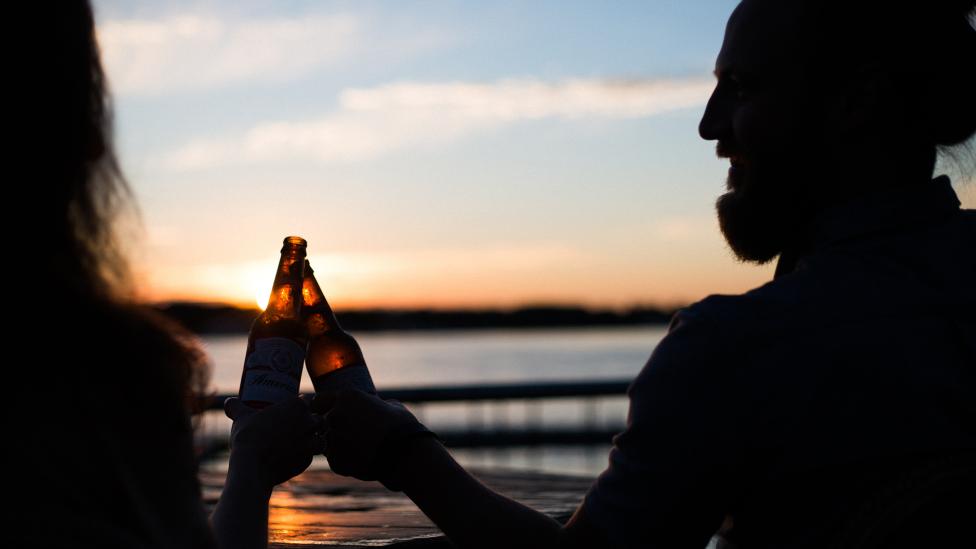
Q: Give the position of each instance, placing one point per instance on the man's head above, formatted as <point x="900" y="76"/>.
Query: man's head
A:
<point x="818" y="101"/>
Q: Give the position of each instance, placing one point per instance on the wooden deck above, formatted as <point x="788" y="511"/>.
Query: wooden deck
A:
<point x="321" y="508"/>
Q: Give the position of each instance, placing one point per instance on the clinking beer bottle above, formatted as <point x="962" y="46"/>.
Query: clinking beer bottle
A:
<point x="334" y="359"/>
<point x="276" y="345"/>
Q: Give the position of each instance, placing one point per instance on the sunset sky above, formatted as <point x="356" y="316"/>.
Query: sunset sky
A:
<point x="433" y="153"/>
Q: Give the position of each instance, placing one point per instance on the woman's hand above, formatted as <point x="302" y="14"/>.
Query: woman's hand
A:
<point x="271" y="444"/>
<point x="267" y="447"/>
<point x="363" y="433"/>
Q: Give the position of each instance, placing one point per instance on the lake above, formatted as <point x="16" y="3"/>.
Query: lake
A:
<point x="422" y="358"/>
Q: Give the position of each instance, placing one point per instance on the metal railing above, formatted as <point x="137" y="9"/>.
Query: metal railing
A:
<point x="496" y="391"/>
<point x="533" y="432"/>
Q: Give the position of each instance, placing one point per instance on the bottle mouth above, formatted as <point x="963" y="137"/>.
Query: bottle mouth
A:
<point x="295" y="241"/>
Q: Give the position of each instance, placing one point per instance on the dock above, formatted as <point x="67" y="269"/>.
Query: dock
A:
<point x="319" y="508"/>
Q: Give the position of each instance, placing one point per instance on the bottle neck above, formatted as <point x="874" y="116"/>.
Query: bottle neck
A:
<point x="317" y="308"/>
<point x="285" y="300"/>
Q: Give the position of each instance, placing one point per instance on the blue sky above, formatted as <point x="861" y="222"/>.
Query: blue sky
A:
<point x="433" y="153"/>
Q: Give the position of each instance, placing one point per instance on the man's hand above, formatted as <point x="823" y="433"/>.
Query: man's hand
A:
<point x="370" y="438"/>
<point x="272" y="444"/>
<point x="363" y="432"/>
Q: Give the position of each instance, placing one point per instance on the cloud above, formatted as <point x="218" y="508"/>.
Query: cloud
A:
<point x="190" y="52"/>
<point x="372" y="121"/>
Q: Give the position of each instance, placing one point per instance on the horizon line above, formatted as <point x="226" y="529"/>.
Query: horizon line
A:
<point x="659" y="306"/>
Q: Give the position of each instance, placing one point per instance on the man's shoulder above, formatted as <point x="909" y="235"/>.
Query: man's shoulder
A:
<point x="729" y="313"/>
<point x="707" y="333"/>
<point x="722" y="330"/>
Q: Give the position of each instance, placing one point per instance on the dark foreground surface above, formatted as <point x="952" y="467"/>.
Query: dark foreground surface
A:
<point x="321" y="508"/>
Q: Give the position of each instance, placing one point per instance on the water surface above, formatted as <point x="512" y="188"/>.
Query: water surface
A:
<point x="422" y="358"/>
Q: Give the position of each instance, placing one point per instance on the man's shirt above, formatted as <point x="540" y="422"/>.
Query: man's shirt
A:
<point x="779" y="406"/>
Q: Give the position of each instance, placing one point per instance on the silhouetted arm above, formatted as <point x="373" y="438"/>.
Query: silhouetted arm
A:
<point x="268" y="447"/>
<point x="240" y="519"/>
<point x="359" y="427"/>
<point x="467" y="511"/>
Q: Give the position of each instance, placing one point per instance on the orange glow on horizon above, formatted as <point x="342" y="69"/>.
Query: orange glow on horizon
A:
<point x="474" y="279"/>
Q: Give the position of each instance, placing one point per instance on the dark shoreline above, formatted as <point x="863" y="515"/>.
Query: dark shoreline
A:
<point x="202" y="318"/>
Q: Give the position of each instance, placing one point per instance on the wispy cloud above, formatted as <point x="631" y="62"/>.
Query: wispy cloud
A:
<point x="373" y="121"/>
<point x="191" y="52"/>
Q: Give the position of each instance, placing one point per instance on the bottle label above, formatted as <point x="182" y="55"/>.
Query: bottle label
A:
<point x="349" y="377"/>
<point x="273" y="370"/>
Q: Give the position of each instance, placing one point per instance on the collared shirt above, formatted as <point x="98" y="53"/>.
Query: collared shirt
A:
<point x="769" y="406"/>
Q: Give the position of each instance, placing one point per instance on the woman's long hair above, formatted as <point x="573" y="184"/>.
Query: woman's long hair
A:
<point x="76" y="196"/>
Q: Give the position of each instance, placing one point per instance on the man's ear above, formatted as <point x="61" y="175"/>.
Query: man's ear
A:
<point x="862" y="101"/>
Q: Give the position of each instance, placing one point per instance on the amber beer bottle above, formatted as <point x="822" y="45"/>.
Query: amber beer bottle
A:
<point x="334" y="359"/>
<point x="276" y="345"/>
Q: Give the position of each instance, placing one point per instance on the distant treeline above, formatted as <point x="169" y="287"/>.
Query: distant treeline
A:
<point x="225" y="319"/>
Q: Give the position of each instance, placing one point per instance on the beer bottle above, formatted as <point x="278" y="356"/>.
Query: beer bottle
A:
<point x="277" y="342"/>
<point x="334" y="359"/>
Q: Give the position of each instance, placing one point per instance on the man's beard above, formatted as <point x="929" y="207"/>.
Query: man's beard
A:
<point x="764" y="213"/>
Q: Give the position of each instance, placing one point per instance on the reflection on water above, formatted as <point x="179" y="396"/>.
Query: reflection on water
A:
<point x="471" y="357"/>
<point x="284" y="518"/>
<point x="444" y="357"/>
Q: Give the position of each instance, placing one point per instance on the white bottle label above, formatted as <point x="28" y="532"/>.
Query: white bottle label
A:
<point x="350" y="377"/>
<point x="273" y="370"/>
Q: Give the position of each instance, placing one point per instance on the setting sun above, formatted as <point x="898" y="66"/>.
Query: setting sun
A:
<point x="262" y="295"/>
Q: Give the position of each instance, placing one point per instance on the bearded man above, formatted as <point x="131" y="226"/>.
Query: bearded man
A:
<point x="787" y="412"/>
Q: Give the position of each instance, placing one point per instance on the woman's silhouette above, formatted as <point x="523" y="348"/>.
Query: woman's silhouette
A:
<point x="102" y="389"/>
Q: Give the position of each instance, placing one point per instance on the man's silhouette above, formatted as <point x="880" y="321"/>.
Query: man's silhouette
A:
<point x="779" y="411"/>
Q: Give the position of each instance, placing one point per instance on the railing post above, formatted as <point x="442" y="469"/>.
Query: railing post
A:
<point x="590" y="414"/>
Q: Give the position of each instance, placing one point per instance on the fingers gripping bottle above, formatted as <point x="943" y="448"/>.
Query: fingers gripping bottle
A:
<point x="277" y="342"/>
<point x="334" y="359"/>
